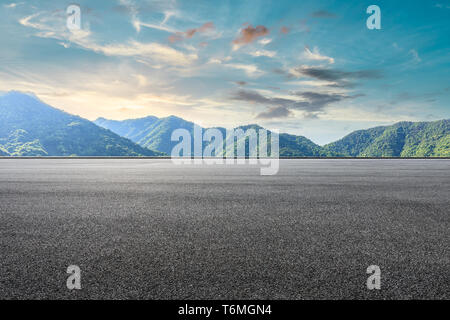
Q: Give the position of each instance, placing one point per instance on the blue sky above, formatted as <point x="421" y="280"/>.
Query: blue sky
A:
<point x="305" y="67"/>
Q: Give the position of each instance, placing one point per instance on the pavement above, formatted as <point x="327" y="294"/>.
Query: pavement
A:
<point x="149" y="229"/>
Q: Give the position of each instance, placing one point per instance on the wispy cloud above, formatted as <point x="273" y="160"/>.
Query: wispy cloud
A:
<point x="205" y="28"/>
<point x="150" y="52"/>
<point x="334" y="75"/>
<point x="323" y="14"/>
<point x="316" y="56"/>
<point x="275" y="112"/>
<point x="263" y="53"/>
<point x="415" y="55"/>
<point x="309" y="102"/>
<point x="12" y="5"/>
<point x="251" y="70"/>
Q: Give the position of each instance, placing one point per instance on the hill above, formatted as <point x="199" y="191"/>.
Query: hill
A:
<point x="29" y="127"/>
<point x="403" y="139"/>
<point x="155" y="133"/>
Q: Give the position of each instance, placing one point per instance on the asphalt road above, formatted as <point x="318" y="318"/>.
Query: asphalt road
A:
<point x="147" y="229"/>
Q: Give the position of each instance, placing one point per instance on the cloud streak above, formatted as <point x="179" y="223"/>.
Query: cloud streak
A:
<point x="311" y="103"/>
<point x="316" y="56"/>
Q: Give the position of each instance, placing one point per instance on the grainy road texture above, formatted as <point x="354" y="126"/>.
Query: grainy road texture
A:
<point x="148" y="229"/>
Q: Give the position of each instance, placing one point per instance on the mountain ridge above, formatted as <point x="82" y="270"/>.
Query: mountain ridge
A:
<point x="402" y="139"/>
<point x="30" y="127"/>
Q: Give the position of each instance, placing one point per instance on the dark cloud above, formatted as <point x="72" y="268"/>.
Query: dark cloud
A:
<point x="337" y="75"/>
<point x="250" y="34"/>
<point x="312" y="103"/>
<point x="323" y="14"/>
<point x="275" y="112"/>
<point x="241" y="83"/>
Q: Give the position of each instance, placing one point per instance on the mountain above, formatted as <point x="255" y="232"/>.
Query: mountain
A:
<point x="3" y="152"/>
<point x="155" y="133"/>
<point x="29" y="127"/>
<point x="403" y="139"/>
<point x="149" y="132"/>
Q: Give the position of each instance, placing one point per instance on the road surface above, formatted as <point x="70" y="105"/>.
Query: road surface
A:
<point x="148" y="229"/>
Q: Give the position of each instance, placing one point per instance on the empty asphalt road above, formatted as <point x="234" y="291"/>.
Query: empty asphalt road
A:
<point x="148" y="229"/>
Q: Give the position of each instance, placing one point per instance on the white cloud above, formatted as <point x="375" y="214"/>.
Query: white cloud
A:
<point x="152" y="52"/>
<point x="12" y="5"/>
<point x="316" y="56"/>
<point x="250" y="69"/>
<point x="265" y="41"/>
<point x="415" y="55"/>
<point x="263" y="53"/>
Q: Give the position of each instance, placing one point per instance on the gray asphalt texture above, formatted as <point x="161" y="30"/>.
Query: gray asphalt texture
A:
<point x="148" y="229"/>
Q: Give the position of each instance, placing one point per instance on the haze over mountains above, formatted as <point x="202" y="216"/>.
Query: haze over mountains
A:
<point x="29" y="127"/>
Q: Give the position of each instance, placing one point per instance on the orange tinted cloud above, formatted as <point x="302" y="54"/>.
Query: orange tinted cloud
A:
<point x="191" y="32"/>
<point x="284" y="30"/>
<point x="249" y="34"/>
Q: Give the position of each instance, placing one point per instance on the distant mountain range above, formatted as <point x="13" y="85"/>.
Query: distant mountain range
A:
<point x="155" y="134"/>
<point x="403" y="139"/>
<point x="29" y="127"/>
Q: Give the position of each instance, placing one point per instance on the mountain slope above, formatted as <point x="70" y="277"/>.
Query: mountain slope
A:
<point x="149" y="132"/>
<point x="28" y="127"/>
<point x="156" y="134"/>
<point x="403" y="139"/>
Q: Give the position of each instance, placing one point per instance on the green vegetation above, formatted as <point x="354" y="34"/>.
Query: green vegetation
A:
<point x="403" y="139"/>
<point x="29" y="127"/>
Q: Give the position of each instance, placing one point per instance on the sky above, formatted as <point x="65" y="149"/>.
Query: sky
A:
<point x="310" y="68"/>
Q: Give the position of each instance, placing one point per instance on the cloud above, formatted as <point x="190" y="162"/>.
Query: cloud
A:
<point x="316" y="56"/>
<point x="205" y="28"/>
<point x="323" y="14"/>
<point x="442" y="6"/>
<point x="129" y="7"/>
<point x="249" y="35"/>
<point x="285" y="30"/>
<point x="275" y="112"/>
<point x="250" y="69"/>
<point x="12" y="5"/>
<point x="263" y="53"/>
<point x="265" y="41"/>
<point x="415" y="56"/>
<point x="334" y="75"/>
<point x="150" y="52"/>
<point x="319" y="100"/>
<point x="311" y="103"/>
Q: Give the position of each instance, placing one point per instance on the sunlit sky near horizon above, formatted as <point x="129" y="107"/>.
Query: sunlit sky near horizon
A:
<point x="310" y="68"/>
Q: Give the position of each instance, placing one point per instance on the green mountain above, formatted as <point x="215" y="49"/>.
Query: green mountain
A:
<point x="29" y="127"/>
<point x="403" y="139"/>
<point x="3" y="152"/>
<point x="155" y="133"/>
<point x="149" y="132"/>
